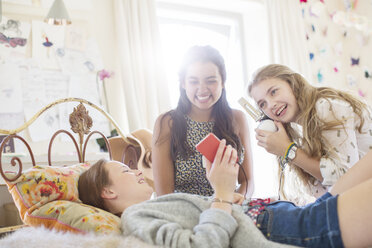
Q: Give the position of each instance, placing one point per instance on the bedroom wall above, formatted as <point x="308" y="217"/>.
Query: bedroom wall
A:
<point x="97" y="21"/>
<point x="339" y="37"/>
<point x="93" y="23"/>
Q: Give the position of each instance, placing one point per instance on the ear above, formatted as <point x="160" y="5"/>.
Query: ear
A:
<point x="108" y="193"/>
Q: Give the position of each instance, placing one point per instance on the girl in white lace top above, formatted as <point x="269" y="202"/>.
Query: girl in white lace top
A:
<point x="322" y="132"/>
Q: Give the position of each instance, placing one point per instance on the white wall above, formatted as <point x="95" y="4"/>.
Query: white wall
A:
<point x="334" y="40"/>
<point x="98" y="22"/>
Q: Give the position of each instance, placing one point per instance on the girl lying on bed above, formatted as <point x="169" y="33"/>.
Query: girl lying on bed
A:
<point x="339" y="218"/>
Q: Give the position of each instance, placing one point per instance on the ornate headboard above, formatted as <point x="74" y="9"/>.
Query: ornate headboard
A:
<point x="81" y="124"/>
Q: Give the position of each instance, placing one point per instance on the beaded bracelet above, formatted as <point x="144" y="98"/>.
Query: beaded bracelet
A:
<point x="221" y="201"/>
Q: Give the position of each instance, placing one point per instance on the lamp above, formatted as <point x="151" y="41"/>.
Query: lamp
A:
<point x="58" y="14"/>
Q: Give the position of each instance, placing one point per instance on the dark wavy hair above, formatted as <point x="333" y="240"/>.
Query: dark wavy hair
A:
<point x="91" y="184"/>
<point x="221" y="113"/>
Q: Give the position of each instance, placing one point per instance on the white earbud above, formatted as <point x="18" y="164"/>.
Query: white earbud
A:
<point x="267" y="125"/>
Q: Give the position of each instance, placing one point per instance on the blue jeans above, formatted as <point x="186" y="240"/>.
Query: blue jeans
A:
<point x="313" y="225"/>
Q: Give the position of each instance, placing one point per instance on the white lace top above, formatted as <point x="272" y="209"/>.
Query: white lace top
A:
<point x="348" y="143"/>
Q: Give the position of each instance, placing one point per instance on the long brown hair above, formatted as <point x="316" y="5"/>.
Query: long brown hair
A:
<point x="311" y="141"/>
<point x="221" y="112"/>
<point x="91" y="184"/>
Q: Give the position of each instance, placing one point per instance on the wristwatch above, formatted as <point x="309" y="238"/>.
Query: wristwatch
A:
<point x="291" y="153"/>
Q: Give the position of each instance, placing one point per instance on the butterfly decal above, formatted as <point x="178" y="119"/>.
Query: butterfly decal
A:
<point x="311" y="12"/>
<point x="13" y="42"/>
<point x="89" y="65"/>
<point x="350" y="4"/>
<point x="361" y="93"/>
<point x="332" y="14"/>
<point x="337" y="66"/>
<point x="367" y="72"/>
<point x="311" y="55"/>
<point x="351" y="80"/>
<point x="354" y="61"/>
<point x="323" y="50"/>
<point x="319" y="75"/>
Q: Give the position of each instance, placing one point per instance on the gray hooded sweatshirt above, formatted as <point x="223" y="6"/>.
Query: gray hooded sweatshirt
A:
<point x="183" y="220"/>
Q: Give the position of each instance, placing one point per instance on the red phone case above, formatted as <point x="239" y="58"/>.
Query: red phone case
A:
<point x="208" y="146"/>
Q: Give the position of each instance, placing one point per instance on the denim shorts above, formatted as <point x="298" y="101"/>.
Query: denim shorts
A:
<point x="313" y="225"/>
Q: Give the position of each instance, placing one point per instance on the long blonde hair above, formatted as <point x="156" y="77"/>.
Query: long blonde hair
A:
<point x="311" y="140"/>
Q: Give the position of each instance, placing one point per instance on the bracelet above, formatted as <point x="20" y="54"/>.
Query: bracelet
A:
<point x="289" y="155"/>
<point x="287" y="151"/>
<point x="221" y="201"/>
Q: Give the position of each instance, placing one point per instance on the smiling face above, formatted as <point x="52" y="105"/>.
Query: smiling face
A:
<point x="128" y="187"/>
<point x="203" y="85"/>
<point x="276" y="99"/>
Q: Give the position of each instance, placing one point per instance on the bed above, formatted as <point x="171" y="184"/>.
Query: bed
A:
<point x="46" y="196"/>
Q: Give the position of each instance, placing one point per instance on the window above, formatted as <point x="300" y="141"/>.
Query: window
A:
<point x="183" y="30"/>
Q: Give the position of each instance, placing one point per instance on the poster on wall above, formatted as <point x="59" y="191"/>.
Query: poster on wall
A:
<point x="46" y="40"/>
<point x="72" y="62"/>
<point x="76" y="38"/>
<point x="14" y="36"/>
<point x="41" y="87"/>
<point x="10" y="89"/>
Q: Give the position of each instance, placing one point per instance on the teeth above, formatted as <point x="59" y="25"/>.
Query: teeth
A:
<point x="203" y="97"/>
<point x="280" y="110"/>
<point x="142" y="180"/>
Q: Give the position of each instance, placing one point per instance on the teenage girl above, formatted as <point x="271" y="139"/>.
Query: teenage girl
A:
<point x="340" y="218"/>
<point x="336" y="127"/>
<point x="202" y="108"/>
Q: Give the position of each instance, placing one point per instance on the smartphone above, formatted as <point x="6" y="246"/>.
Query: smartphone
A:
<point x="209" y="146"/>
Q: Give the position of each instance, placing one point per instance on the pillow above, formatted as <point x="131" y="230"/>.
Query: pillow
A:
<point x="74" y="217"/>
<point x="42" y="184"/>
<point x="48" y="196"/>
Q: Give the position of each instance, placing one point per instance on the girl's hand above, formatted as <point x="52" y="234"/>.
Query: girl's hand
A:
<point x="238" y="198"/>
<point x="223" y="173"/>
<point x="274" y="142"/>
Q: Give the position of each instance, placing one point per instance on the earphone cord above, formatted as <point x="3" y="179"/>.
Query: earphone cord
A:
<point x="281" y="167"/>
<point x="280" y="182"/>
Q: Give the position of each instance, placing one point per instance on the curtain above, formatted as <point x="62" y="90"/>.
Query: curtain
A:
<point x="140" y="65"/>
<point x="288" y="46"/>
<point x="287" y="35"/>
